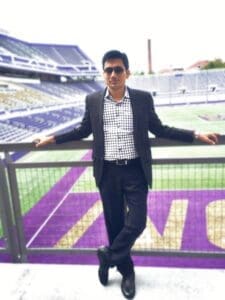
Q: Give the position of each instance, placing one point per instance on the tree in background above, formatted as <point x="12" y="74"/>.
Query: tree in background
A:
<point x="215" y="64"/>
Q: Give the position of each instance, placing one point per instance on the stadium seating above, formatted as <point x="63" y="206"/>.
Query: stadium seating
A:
<point x="182" y="88"/>
<point x="61" y="59"/>
<point x="51" y="97"/>
<point x="171" y="83"/>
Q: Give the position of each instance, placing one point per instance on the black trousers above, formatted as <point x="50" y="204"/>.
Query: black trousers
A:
<point x="124" y="196"/>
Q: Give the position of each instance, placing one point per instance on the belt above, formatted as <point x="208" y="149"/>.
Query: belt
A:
<point x="122" y="162"/>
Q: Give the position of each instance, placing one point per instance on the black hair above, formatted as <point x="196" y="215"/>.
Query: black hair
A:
<point x="113" y="54"/>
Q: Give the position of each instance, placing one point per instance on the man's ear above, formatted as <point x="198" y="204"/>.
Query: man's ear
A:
<point x="128" y="73"/>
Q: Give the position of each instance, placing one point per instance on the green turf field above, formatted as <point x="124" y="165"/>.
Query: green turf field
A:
<point x="204" y="117"/>
<point x="40" y="180"/>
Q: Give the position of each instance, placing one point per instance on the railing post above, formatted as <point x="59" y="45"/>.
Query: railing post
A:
<point x="16" y="208"/>
<point x="9" y="228"/>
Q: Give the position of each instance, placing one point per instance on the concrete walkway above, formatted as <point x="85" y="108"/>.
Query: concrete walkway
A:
<point x="80" y="282"/>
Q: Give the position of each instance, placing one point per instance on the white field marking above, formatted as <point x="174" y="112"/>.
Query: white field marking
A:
<point x="48" y="218"/>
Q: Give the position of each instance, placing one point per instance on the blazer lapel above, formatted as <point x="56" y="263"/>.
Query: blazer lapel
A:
<point x="135" y="109"/>
<point x="100" y="108"/>
<point x="98" y="124"/>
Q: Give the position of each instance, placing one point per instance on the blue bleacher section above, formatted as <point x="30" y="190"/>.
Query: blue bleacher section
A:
<point x="60" y="59"/>
<point x="20" y="48"/>
<point x="40" y="121"/>
<point x="42" y="106"/>
<point x="202" y="86"/>
<point x="63" y="55"/>
<point x="62" y="91"/>
<point x="175" y="82"/>
<point x="20" y="127"/>
<point x="26" y="117"/>
<point x="69" y="91"/>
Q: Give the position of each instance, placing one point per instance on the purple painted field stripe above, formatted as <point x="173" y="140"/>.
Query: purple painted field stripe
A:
<point x="194" y="235"/>
<point x="74" y="207"/>
<point x="41" y="210"/>
<point x="5" y="258"/>
<point x="144" y="261"/>
<point x="180" y="262"/>
<point x="197" y="215"/>
<point x="159" y="202"/>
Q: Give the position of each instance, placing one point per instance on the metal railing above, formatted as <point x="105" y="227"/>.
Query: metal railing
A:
<point x="27" y="186"/>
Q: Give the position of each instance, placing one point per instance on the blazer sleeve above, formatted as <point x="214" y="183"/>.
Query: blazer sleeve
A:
<point x="83" y="131"/>
<point x="164" y="131"/>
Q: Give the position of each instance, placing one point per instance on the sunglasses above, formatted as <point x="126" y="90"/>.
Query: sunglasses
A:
<point x="117" y="70"/>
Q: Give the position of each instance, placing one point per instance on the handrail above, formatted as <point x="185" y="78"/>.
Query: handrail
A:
<point x="87" y="144"/>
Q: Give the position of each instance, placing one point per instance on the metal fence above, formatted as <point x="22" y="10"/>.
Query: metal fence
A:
<point x="52" y="206"/>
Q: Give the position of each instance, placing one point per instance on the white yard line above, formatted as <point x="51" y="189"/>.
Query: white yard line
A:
<point x="48" y="218"/>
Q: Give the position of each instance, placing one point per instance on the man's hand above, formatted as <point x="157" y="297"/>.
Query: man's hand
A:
<point x="208" y="138"/>
<point x="42" y="141"/>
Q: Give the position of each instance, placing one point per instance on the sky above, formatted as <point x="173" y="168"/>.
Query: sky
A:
<point x="181" y="31"/>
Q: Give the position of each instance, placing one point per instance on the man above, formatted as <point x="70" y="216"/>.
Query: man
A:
<point x="119" y="119"/>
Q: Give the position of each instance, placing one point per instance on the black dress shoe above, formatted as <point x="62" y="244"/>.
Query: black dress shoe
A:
<point x="104" y="264"/>
<point x="128" y="286"/>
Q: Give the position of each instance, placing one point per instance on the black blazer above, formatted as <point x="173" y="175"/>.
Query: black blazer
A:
<point x="145" y="119"/>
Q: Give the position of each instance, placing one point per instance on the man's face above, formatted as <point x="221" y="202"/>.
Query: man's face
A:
<point x="115" y="74"/>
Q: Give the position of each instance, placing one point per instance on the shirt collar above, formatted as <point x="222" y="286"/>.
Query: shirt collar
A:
<point x="125" y="96"/>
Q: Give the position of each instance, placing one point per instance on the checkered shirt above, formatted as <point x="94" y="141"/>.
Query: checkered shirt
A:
<point x="118" y="128"/>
